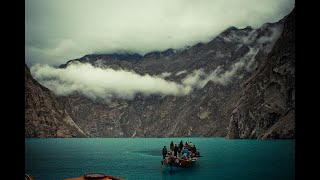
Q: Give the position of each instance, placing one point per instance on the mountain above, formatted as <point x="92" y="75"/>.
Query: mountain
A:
<point x="265" y="106"/>
<point x="233" y="74"/>
<point x="155" y="115"/>
<point x="44" y="116"/>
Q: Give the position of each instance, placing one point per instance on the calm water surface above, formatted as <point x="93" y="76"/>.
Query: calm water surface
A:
<point x="140" y="158"/>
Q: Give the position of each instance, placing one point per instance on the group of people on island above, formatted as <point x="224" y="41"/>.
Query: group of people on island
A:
<point x="181" y="151"/>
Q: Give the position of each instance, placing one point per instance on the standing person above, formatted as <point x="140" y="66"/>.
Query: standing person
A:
<point x="181" y="145"/>
<point x="164" y="152"/>
<point x="189" y="145"/>
<point x="186" y="145"/>
<point x="175" y="150"/>
<point x="171" y="146"/>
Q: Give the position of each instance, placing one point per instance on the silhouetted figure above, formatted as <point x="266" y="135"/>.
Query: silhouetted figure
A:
<point x="175" y="150"/>
<point x="186" y="145"/>
<point x="181" y="144"/>
<point x="197" y="153"/>
<point x="171" y="146"/>
<point x="164" y="152"/>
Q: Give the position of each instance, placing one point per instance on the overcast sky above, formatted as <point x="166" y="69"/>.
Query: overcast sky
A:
<point x="59" y="30"/>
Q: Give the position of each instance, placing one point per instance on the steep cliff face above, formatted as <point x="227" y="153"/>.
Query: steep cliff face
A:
<point x="152" y="116"/>
<point x="44" y="116"/>
<point x="265" y="106"/>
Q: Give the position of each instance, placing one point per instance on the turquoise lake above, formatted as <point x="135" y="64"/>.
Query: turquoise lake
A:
<point x="140" y="158"/>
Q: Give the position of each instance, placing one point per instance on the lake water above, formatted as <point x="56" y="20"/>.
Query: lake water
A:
<point x="140" y="158"/>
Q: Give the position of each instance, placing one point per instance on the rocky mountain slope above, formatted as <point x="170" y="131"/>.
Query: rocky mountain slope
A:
<point x="265" y="107"/>
<point x="44" y="116"/>
<point x="224" y="100"/>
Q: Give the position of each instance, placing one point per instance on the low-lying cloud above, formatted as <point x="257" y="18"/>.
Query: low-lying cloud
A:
<point x="198" y="79"/>
<point x="181" y="72"/>
<point x="165" y="74"/>
<point x="271" y="38"/>
<point x="105" y="83"/>
<point x="95" y="82"/>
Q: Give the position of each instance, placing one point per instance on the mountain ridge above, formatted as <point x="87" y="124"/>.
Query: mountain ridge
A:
<point x="236" y="54"/>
